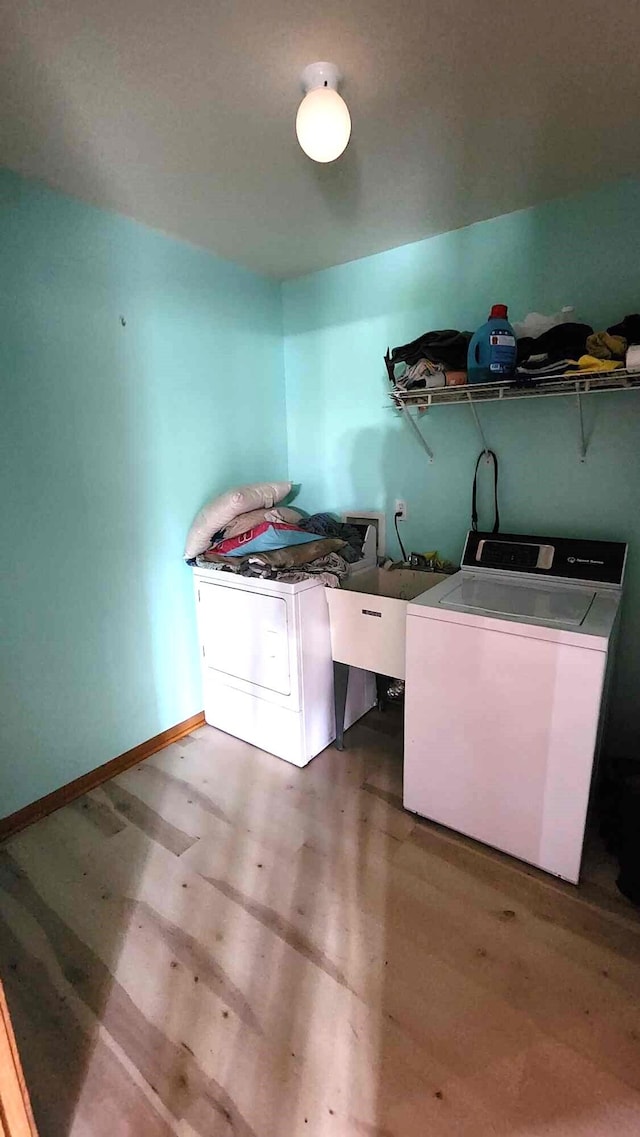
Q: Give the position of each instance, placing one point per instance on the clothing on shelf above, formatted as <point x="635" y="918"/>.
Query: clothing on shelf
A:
<point x="424" y="373"/>
<point x="605" y="346"/>
<point x="629" y="328"/>
<point x="590" y="363"/>
<point x="563" y="342"/>
<point x="536" y="367"/>
<point x="447" y="348"/>
<point x="567" y="367"/>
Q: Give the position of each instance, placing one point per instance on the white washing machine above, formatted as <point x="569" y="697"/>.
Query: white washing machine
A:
<point x="505" y="680"/>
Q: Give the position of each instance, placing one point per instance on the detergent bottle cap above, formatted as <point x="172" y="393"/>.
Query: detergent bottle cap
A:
<point x="498" y="312"/>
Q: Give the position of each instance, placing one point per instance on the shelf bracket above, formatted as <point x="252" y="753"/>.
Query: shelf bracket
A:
<point x="483" y="440"/>
<point x="418" y="433"/>
<point x="583" y="441"/>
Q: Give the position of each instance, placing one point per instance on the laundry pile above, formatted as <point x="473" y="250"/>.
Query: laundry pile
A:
<point x="439" y="358"/>
<point x="270" y="540"/>
<point x="432" y="360"/>
<point x="568" y="347"/>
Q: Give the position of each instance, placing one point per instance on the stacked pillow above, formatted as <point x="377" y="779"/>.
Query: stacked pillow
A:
<point x="222" y="512"/>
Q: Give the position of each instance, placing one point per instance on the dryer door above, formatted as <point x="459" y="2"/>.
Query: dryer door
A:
<point x="246" y="636"/>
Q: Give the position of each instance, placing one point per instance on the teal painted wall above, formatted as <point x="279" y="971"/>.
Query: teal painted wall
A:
<point x="348" y="450"/>
<point x="111" y="438"/>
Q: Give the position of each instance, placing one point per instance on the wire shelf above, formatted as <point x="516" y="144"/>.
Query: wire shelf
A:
<point x="573" y="383"/>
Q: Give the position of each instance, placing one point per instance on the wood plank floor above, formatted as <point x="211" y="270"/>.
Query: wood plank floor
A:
<point x="217" y="943"/>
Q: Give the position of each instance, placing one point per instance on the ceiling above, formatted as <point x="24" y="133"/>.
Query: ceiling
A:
<point x="180" y="113"/>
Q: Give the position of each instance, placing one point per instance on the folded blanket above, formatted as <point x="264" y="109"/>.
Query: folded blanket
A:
<point x="262" y="538"/>
<point x="279" y="558"/>
<point x="324" y="525"/>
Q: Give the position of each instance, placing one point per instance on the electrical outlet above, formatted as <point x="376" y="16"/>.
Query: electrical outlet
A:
<point x="400" y="509"/>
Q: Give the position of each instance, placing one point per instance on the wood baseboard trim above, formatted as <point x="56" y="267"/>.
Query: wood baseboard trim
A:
<point x="16" y="1117"/>
<point x="82" y="785"/>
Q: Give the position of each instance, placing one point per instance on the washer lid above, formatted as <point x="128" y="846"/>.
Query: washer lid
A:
<point x="548" y="605"/>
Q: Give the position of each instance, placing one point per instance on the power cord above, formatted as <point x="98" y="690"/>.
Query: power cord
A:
<point x="402" y="548"/>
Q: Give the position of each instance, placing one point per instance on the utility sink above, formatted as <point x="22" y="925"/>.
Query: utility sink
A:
<point x="368" y="617"/>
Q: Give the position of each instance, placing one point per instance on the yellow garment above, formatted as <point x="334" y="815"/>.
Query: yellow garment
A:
<point x="438" y="564"/>
<point x="604" y="346"/>
<point x="590" y="363"/>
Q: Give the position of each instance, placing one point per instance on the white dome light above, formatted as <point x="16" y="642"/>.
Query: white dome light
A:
<point x="323" y="122"/>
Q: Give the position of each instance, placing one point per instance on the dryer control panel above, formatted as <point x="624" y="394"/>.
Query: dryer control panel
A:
<point x="558" y="558"/>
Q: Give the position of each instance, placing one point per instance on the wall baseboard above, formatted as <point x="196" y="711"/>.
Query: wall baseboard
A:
<point x="82" y="785"/>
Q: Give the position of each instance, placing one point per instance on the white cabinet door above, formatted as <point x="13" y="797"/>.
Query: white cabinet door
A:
<point x="245" y="636"/>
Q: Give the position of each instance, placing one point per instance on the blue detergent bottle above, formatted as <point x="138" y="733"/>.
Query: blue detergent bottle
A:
<point x="492" y="352"/>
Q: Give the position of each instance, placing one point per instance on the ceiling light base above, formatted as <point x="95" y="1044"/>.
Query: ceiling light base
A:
<point x="320" y="75"/>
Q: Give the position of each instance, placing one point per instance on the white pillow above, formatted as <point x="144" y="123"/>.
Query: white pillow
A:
<point x="216" y="514"/>
<point x="245" y="521"/>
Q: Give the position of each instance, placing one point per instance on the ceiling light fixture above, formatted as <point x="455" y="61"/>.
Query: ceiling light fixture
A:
<point x="323" y="122"/>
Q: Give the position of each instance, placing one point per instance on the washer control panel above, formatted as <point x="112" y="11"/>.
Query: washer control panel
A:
<point x="559" y="558"/>
<point x="522" y="554"/>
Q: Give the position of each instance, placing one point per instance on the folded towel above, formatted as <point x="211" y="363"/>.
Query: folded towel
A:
<point x="590" y="363"/>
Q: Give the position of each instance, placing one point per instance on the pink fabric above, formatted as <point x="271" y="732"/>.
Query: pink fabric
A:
<point x="229" y="544"/>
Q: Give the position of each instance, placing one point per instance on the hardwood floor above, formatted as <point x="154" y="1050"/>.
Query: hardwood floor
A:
<point x="216" y="943"/>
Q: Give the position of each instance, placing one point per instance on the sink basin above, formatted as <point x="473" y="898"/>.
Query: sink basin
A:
<point x="368" y="617"/>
